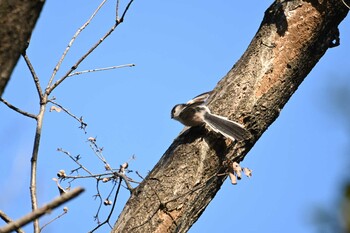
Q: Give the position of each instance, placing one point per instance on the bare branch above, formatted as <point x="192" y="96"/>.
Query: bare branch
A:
<point x="97" y="151"/>
<point x="127" y="181"/>
<point x="50" y="89"/>
<point x="83" y="125"/>
<point x="124" y="13"/>
<point x="34" y="76"/>
<point x="65" y="211"/>
<point x="41" y="211"/>
<point x="108" y="33"/>
<point x="27" y="114"/>
<point x="96" y="176"/>
<point x="43" y="103"/>
<point x="100" y="69"/>
<point x="117" y="10"/>
<point x="112" y="209"/>
<point x="255" y="100"/>
<point x="76" y="161"/>
<point x="34" y="164"/>
<point x="7" y="219"/>
<point x="101" y="201"/>
<point x="57" y="67"/>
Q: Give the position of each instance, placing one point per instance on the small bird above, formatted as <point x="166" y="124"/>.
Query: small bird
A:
<point x="194" y="113"/>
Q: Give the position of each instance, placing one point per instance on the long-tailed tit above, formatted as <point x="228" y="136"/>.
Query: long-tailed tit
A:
<point x="194" y="113"/>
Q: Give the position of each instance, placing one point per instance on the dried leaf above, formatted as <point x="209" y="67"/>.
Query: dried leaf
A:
<point x="247" y="172"/>
<point x="232" y="178"/>
<point x="55" y="108"/>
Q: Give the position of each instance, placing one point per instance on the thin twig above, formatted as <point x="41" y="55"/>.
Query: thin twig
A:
<point x="113" y="206"/>
<point x="83" y="125"/>
<point x="57" y="67"/>
<point x="37" y="212"/>
<point x="41" y="211"/>
<point x="101" y="201"/>
<point x="7" y="219"/>
<point x="50" y="89"/>
<point x="27" y="114"/>
<point x="34" y="76"/>
<point x="97" y="176"/>
<point x="108" y="33"/>
<point x="137" y="173"/>
<point x="75" y="160"/>
<point x="124" y="13"/>
<point x="54" y="219"/>
<point x="111" y="191"/>
<point x="117" y="10"/>
<point x="97" y="151"/>
<point x="100" y="69"/>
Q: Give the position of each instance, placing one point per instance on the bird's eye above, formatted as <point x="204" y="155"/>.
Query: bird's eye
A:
<point x="172" y="112"/>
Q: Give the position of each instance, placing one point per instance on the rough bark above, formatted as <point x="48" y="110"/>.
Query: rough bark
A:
<point x="293" y="36"/>
<point x="17" y="20"/>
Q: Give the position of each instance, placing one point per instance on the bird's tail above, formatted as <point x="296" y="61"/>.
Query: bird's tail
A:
<point x="226" y="127"/>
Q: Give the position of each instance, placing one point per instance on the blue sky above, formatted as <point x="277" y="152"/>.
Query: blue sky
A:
<point x="181" y="49"/>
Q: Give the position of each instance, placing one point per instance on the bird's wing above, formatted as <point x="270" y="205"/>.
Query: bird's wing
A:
<point x="200" y="99"/>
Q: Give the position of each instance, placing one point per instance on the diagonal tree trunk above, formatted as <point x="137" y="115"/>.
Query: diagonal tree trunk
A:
<point x="17" y="20"/>
<point x="293" y="36"/>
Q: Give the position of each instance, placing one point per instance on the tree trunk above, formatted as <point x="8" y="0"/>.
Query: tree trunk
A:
<point x="292" y="38"/>
<point x="17" y="20"/>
